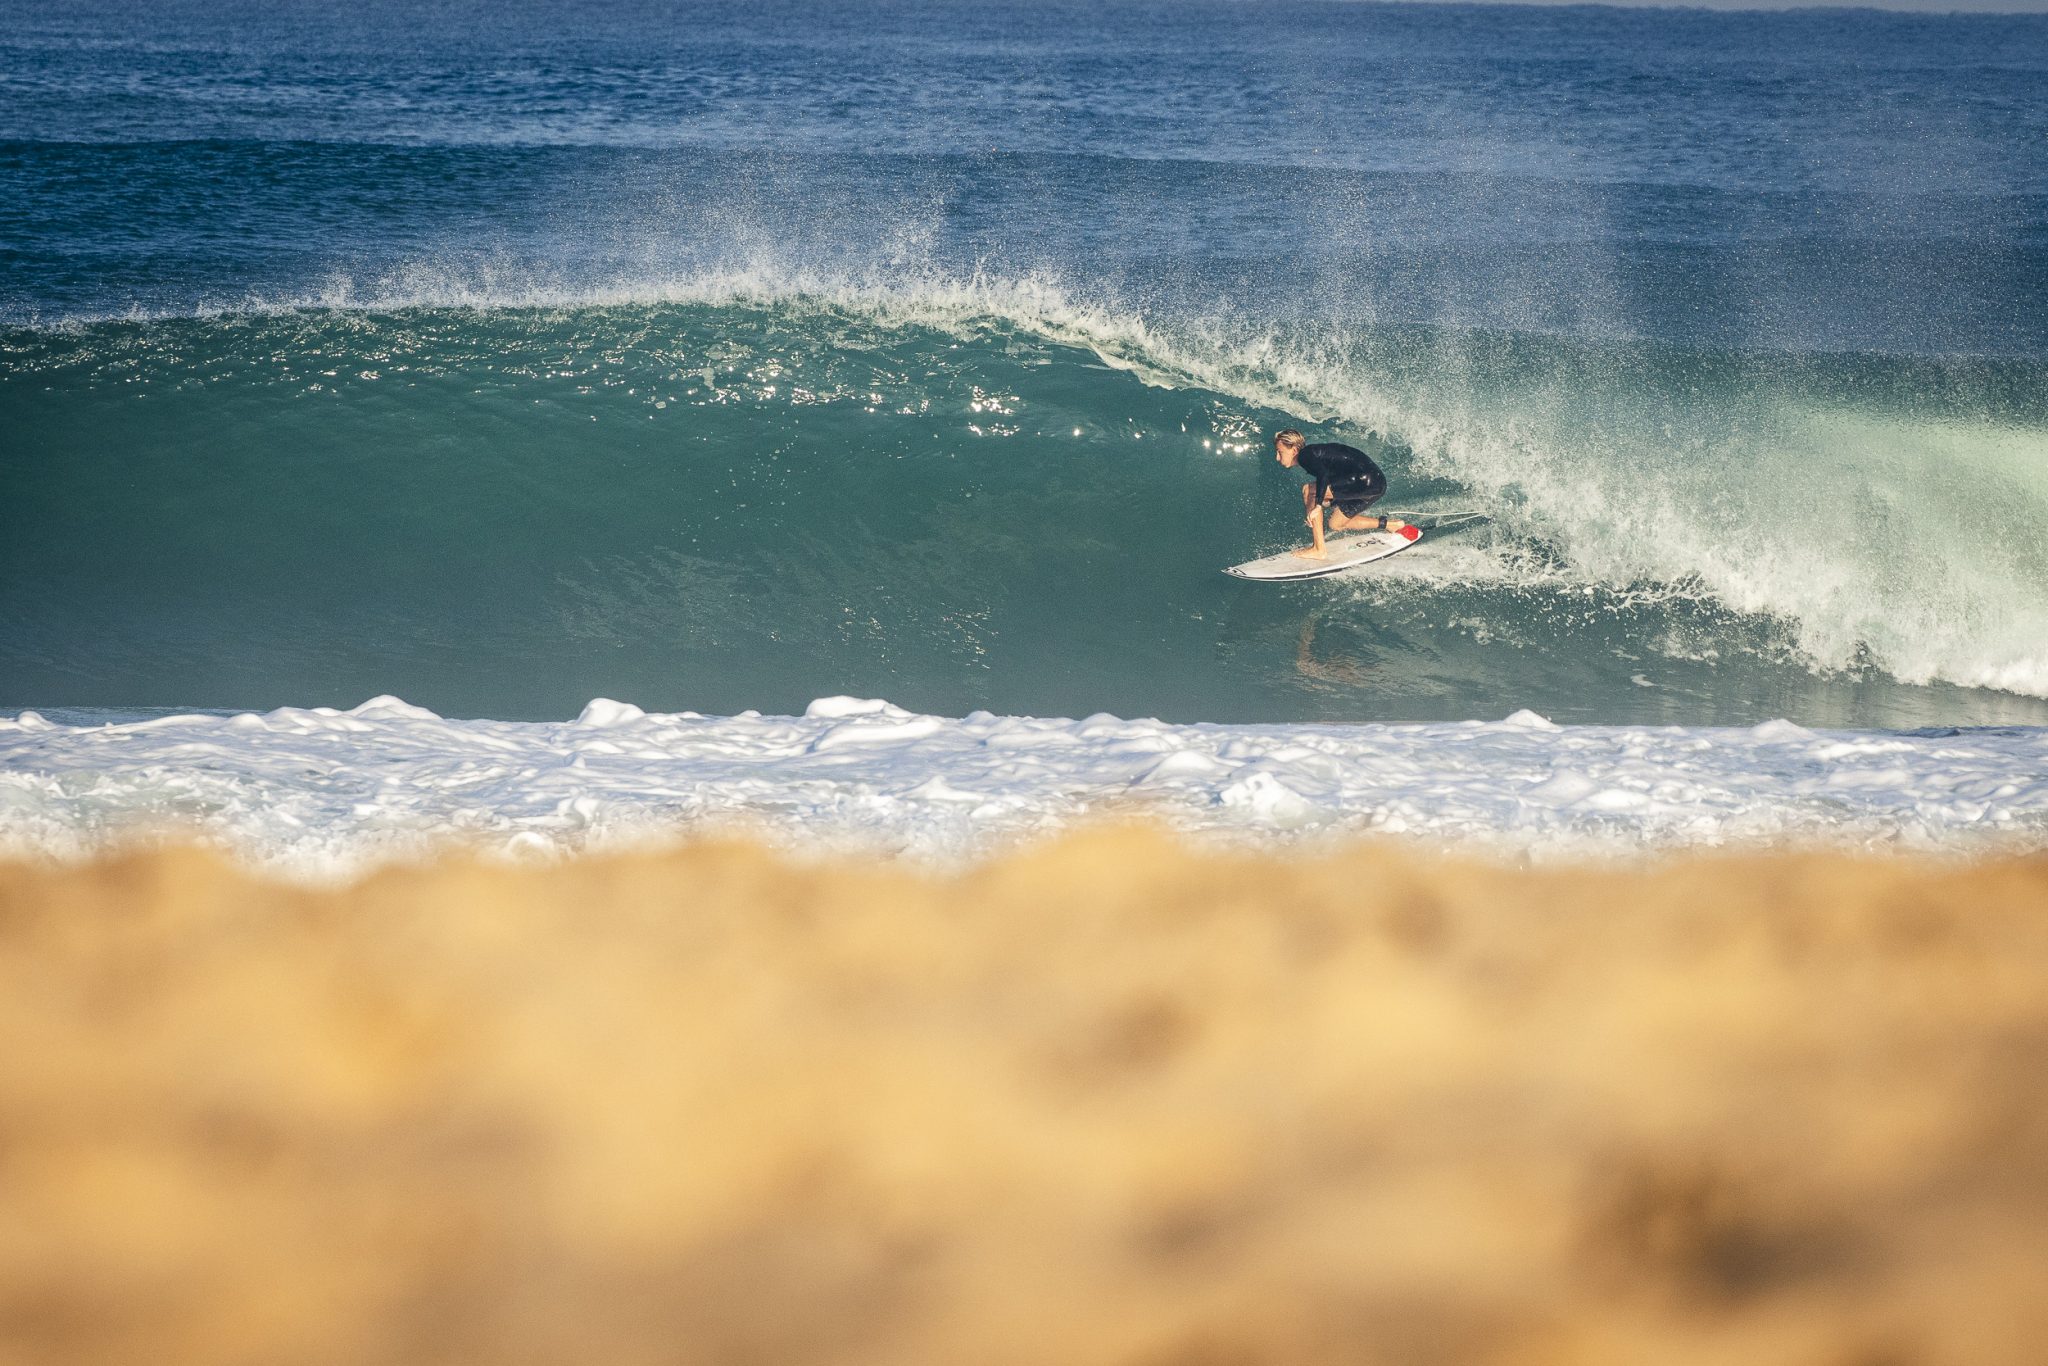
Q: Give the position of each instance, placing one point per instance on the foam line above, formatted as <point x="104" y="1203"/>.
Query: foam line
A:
<point x="321" y="793"/>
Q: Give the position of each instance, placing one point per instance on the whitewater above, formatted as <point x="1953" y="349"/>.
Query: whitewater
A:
<point x="320" y="794"/>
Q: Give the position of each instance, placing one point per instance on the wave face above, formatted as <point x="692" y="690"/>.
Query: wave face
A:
<point x="720" y="370"/>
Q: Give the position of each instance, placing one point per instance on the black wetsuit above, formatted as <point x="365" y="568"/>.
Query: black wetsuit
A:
<point x="1345" y="473"/>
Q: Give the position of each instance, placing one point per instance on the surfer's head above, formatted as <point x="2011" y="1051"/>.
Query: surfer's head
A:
<point x="1287" y="445"/>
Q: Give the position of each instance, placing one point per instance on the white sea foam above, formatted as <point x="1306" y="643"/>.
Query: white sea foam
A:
<point x="319" y="793"/>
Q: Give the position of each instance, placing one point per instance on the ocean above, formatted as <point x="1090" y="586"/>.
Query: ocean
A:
<point x="725" y="357"/>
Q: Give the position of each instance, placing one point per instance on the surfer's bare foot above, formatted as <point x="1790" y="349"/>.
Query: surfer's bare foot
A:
<point x="1313" y="554"/>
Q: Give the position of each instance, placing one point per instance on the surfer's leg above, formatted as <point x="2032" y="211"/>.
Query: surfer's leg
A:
<point x="1351" y="514"/>
<point x="1365" y="521"/>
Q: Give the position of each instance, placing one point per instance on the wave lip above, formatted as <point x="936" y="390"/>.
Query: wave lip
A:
<point x="320" y="794"/>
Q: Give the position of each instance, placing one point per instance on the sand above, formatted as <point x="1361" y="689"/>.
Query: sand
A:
<point x="1107" y="1101"/>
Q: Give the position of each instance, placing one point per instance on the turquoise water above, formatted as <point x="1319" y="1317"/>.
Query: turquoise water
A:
<point x="500" y="359"/>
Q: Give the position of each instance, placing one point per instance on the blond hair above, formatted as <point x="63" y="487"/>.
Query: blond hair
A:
<point x="1290" y="438"/>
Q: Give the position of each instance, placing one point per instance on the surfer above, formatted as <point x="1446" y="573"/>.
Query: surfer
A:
<point x="1346" y="482"/>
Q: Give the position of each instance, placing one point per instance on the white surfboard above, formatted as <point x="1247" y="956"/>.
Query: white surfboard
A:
<point x="1345" y="552"/>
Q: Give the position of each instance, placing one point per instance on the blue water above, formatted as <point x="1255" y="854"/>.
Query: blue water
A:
<point x="724" y="356"/>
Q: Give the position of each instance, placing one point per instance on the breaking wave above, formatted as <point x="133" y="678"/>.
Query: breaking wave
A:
<point x="749" y="472"/>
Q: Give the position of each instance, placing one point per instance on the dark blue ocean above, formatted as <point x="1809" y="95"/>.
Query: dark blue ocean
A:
<point x="722" y="356"/>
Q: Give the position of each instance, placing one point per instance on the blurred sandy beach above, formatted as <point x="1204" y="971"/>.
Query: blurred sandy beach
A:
<point x="1111" y="1100"/>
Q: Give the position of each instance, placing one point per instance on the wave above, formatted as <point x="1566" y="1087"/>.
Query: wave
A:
<point x="1846" y="515"/>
